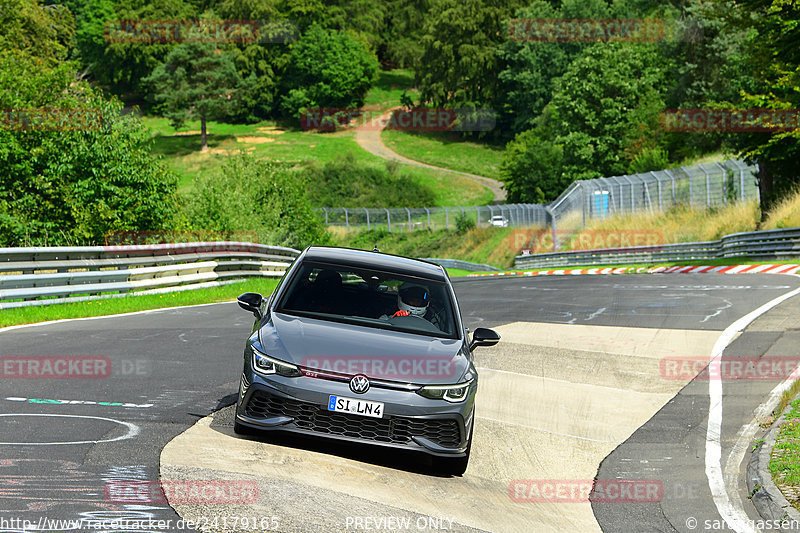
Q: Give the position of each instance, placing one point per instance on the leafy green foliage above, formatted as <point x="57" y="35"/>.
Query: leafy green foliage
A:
<point x="464" y="223"/>
<point x="196" y="80"/>
<point x="327" y="69"/>
<point x="773" y="58"/>
<point x="347" y="183"/>
<point x="603" y="114"/>
<point x="45" y="33"/>
<point x="75" y="187"/>
<point x="533" y="169"/>
<point x="459" y="66"/>
<point x="530" y="69"/>
<point x="269" y="199"/>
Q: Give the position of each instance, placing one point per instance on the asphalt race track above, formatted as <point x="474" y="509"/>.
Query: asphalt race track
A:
<point x="577" y="390"/>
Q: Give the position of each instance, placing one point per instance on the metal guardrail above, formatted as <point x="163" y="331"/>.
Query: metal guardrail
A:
<point x="766" y="244"/>
<point x="42" y="276"/>
<point x="464" y="265"/>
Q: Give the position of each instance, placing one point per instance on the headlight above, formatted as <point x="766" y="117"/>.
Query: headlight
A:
<point x="451" y="393"/>
<point x="264" y="364"/>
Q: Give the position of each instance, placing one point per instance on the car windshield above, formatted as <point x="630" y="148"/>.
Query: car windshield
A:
<point x="370" y="298"/>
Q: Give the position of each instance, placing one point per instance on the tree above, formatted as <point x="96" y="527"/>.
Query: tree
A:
<point x="773" y="58"/>
<point x="603" y="114"/>
<point x="327" y="69"/>
<point x="529" y="69"/>
<point x="459" y="66"/>
<point x="118" y="57"/>
<point x="44" y="32"/>
<point x="196" y="81"/>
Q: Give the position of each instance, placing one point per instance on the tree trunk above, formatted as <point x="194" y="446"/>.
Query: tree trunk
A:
<point x="764" y="188"/>
<point x="203" y="143"/>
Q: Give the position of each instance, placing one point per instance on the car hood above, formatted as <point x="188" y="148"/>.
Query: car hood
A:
<point x="351" y="349"/>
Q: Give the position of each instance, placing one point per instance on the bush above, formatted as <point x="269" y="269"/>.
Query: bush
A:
<point x="73" y="184"/>
<point x="464" y="223"/>
<point x="348" y="183"/>
<point x="327" y="69"/>
<point x="266" y="198"/>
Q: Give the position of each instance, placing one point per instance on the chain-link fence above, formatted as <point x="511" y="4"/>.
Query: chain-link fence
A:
<point x="699" y="186"/>
<point x="409" y="219"/>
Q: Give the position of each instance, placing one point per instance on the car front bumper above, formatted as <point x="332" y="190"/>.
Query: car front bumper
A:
<point x="299" y="405"/>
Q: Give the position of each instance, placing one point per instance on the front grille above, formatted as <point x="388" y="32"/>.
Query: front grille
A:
<point x="393" y="429"/>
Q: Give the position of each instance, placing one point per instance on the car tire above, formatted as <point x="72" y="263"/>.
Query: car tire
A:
<point x="455" y="466"/>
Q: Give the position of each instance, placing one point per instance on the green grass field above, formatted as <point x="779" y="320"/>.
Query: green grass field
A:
<point x="131" y="303"/>
<point x="447" y="150"/>
<point x="784" y="464"/>
<point x="269" y="140"/>
<point x="266" y="141"/>
<point x="389" y="87"/>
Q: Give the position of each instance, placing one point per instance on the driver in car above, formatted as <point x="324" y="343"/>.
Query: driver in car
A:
<point x="414" y="300"/>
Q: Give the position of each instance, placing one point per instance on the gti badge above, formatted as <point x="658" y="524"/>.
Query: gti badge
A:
<point x="359" y="384"/>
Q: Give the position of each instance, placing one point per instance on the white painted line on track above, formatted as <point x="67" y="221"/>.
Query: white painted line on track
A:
<point x="731" y="511"/>
<point x="133" y="430"/>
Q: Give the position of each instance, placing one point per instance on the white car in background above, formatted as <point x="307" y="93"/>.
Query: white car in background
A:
<point x="499" y="220"/>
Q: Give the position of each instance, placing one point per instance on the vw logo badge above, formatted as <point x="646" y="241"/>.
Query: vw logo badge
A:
<point x="359" y="384"/>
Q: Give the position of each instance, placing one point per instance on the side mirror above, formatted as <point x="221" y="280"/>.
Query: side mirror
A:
<point x="483" y="337"/>
<point x="251" y="301"/>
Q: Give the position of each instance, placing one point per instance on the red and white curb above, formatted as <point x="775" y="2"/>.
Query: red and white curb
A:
<point x="690" y="269"/>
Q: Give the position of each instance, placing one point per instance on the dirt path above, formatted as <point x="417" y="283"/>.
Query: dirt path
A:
<point x="368" y="137"/>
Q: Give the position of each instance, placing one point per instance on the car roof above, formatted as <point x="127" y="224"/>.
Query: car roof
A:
<point x="375" y="260"/>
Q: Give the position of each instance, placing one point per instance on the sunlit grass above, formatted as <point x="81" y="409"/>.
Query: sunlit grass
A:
<point x="447" y="150"/>
<point x="786" y="214"/>
<point x="784" y="464"/>
<point x="388" y="89"/>
<point x="131" y="303"/>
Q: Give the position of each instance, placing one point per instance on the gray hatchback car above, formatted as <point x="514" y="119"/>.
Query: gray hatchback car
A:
<point x="364" y="347"/>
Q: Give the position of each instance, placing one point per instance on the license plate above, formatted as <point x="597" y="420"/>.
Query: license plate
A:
<point x="355" y="407"/>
